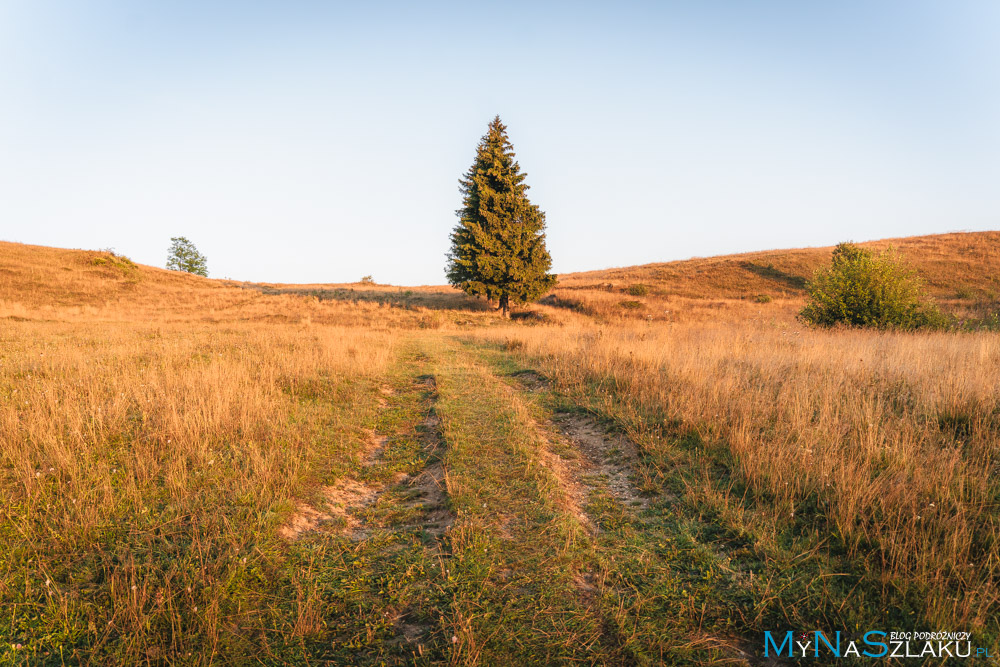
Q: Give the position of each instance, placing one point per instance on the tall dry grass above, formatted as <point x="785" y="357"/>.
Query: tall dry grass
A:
<point x="154" y="428"/>
<point x="893" y="440"/>
<point x="52" y="284"/>
<point x="959" y="270"/>
<point x="144" y="468"/>
<point x="949" y="263"/>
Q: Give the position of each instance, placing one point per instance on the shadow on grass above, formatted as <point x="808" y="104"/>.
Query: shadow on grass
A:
<point x="770" y="272"/>
<point x="398" y="297"/>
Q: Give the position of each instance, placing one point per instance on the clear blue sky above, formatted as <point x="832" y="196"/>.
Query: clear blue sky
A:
<point x="322" y="141"/>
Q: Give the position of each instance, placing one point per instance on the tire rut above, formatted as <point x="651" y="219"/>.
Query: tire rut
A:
<point x="342" y="504"/>
<point x="606" y="458"/>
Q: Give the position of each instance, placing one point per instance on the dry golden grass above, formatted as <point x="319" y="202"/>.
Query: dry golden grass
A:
<point x="947" y="262"/>
<point x="40" y="283"/>
<point x="961" y="271"/>
<point x="125" y="444"/>
<point x="891" y="439"/>
<point x="158" y="429"/>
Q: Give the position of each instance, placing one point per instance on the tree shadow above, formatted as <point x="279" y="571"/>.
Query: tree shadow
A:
<point x="771" y="272"/>
<point x="396" y="297"/>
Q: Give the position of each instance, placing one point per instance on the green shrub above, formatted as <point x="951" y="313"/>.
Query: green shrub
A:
<point x="638" y="290"/>
<point x="109" y="259"/>
<point x="866" y="289"/>
<point x="631" y="305"/>
<point x="763" y="298"/>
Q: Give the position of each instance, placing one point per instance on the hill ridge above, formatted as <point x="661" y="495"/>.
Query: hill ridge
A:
<point x="961" y="269"/>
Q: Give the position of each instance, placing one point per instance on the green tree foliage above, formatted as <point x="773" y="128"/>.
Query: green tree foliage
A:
<point x="863" y="288"/>
<point x="498" y="247"/>
<point x="183" y="256"/>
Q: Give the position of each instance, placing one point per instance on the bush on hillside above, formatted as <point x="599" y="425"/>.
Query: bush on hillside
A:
<point x="863" y="288"/>
<point x="110" y="258"/>
<point x="117" y="264"/>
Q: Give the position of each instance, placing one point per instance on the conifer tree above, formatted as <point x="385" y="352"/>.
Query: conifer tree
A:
<point x="498" y="247"/>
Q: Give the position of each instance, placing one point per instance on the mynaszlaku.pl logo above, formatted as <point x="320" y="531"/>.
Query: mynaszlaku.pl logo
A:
<point x="872" y="644"/>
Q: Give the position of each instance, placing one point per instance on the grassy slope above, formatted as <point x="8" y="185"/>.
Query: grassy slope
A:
<point x="952" y="265"/>
<point x="957" y="268"/>
<point x="150" y="468"/>
<point x="961" y="271"/>
<point x="41" y="283"/>
<point x="187" y="563"/>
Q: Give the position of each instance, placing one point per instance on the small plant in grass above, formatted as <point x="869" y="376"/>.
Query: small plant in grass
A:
<point x="638" y="290"/>
<point x="631" y="305"/>
<point x="863" y="288"/>
<point x="989" y="322"/>
<point x="763" y="298"/>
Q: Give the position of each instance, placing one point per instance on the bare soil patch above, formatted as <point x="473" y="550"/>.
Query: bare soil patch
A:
<point x="375" y="444"/>
<point x="340" y="501"/>
<point x="305" y="519"/>
<point x="385" y="391"/>
<point x="347" y="496"/>
<point x="604" y="455"/>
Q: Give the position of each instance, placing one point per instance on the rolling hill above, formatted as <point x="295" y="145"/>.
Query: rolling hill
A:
<point x="961" y="270"/>
<point x="955" y="265"/>
<point x="656" y="468"/>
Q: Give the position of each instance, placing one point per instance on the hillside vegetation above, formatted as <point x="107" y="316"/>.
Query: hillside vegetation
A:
<point x="961" y="271"/>
<point x="202" y="472"/>
<point x="40" y="283"/>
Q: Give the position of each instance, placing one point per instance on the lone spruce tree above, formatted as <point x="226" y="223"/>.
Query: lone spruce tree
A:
<point x="498" y="247"/>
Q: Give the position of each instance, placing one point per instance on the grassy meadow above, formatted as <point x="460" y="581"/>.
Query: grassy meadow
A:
<point x="653" y="465"/>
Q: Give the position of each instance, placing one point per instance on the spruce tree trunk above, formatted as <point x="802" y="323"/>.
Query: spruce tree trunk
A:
<point x="505" y="306"/>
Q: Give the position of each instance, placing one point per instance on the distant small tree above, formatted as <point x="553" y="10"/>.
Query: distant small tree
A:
<point x="183" y="256"/>
<point x="863" y="288"/>
<point x="498" y="248"/>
